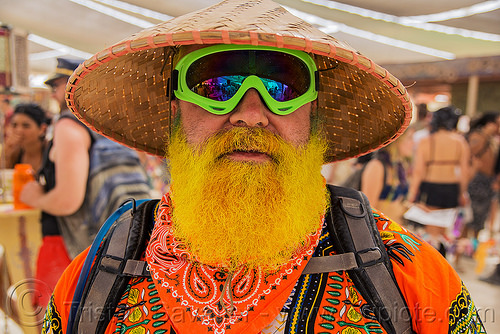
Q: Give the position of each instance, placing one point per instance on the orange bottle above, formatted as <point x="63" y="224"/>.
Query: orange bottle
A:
<point x="23" y="173"/>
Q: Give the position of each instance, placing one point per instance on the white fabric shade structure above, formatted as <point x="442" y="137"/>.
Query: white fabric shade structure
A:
<point x="388" y="31"/>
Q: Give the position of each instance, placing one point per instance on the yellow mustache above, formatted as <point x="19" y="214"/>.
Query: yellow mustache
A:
<point x="245" y="140"/>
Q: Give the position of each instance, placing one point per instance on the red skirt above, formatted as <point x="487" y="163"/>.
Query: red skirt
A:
<point x="52" y="260"/>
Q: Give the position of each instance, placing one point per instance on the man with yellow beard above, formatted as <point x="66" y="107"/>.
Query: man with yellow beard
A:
<point x="247" y="101"/>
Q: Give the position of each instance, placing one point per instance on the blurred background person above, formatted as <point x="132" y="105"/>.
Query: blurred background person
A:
<point x="356" y="169"/>
<point x="383" y="175"/>
<point x="77" y="169"/>
<point x="494" y="277"/>
<point x="482" y="139"/>
<point x="6" y="110"/>
<point x="421" y="125"/>
<point x="423" y="117"/>
<point x="484" y="151"/>
<point x="441" y="169"/>
<point x="385" y="179"/>
<point x="491" y="220"/>
<point x="61" y="186"/>
<point x="25" y="141"/>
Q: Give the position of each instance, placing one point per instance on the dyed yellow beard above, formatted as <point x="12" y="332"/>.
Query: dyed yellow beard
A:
<point x="230" y="213"/>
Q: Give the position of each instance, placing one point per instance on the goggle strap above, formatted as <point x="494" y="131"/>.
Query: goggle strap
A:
<point x="316" y="80"/>
<point x="175" y="80"/>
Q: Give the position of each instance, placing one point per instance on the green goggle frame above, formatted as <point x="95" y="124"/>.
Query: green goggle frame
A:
<point x="217" y="77"/>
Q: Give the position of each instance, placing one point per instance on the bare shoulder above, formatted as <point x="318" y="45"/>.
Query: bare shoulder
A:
<point x="459" y="137"/>
<point x="425" y="139"/>
<point x="68" y="123"/>
<point x="423" y="145"/>
<point x="70" y="132"/>
<point x="374" y="166"/>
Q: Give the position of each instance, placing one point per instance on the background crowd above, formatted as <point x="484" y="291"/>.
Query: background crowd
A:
<point x="448" y="175"/>
<point x="75" y="186"/>
<point x="434" y="166"/>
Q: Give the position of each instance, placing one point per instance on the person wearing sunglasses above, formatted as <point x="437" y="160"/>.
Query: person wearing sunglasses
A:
<point x="247" y="102"/>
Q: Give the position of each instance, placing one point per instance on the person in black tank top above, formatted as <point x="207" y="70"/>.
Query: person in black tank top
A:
<point x="61" y="185"/>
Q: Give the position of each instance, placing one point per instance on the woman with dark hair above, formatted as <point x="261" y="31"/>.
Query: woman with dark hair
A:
<point x="441" y="170"/>
<point x="383" y="175"/>
<point x="25" y="138"/>
<point x="484" y="153"/>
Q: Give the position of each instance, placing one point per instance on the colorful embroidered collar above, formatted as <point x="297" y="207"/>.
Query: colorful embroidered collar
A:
<point x="208" y="299"/>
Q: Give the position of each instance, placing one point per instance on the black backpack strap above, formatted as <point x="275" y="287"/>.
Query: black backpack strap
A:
<point x="327" y="264"/>
<point x="361" y="251"/>
<point x="116" y="261"/>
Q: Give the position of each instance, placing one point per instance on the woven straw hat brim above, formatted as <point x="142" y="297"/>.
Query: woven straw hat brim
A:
<point x="121" y="92"/>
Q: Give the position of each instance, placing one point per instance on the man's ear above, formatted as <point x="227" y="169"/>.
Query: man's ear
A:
<point x="174" y="106"/>
<point x="314" y="108"/>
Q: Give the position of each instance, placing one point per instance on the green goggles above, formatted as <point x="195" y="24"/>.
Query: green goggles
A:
<point x="217" y="77"/>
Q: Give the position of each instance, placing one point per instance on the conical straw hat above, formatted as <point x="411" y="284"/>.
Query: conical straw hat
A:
<point x="121" y="92"/>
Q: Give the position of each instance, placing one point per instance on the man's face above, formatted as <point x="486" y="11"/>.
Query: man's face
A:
<point x="237" y="177"/>
<point x="232" y="192"/>
<point x="199" y="124"/>
<point x="58" y="88"/>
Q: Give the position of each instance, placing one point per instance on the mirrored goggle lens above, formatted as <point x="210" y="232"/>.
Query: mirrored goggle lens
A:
<point x="224" y="88"/>
<point x="218" y="76"/>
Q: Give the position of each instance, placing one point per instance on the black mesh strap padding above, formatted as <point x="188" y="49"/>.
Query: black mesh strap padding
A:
<point x="353" y="229"/>
<point x="107" y="281"/>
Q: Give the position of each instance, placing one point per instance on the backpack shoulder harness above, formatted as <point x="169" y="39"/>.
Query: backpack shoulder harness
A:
<point x="353" y="232"/>
<point x="361" y="252"/>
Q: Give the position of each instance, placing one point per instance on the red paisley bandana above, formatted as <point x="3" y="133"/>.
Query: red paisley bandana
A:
<point x="202" y="299"/>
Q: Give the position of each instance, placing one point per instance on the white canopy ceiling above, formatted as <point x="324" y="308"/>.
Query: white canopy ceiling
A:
<point x="388" y="31"/>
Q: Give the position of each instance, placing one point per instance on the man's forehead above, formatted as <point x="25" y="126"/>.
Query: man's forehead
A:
<point x="184" y="50"/>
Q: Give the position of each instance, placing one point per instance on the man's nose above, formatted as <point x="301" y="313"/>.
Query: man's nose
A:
<point x="251" y="111"/>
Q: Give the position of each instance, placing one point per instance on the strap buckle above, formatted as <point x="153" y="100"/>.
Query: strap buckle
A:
<point x="352" y="207"/>
<point x="368" y="257"/>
